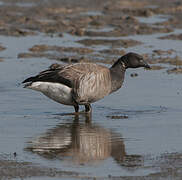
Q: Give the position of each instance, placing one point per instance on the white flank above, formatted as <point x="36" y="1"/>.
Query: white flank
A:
<point x="56" y="91"/>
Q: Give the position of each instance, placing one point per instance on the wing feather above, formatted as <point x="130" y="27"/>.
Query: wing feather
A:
<point x="92" y="86"/>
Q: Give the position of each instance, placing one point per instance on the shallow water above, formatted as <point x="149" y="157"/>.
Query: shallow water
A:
<point x="41" y="131"/>
<point x="154" y="19"/>
<point x="25" y="4"/>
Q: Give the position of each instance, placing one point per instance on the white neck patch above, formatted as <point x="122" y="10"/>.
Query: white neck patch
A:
<point x="123" y="64"/>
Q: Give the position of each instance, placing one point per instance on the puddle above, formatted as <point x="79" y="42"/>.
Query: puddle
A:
<point x="47" y="178"/>
<point x="152" y="6"/>
<point x="153" y="19"/>
<point x="43" y="20"/>
<point x="92" y="13"/>
<point x="25" y="4"/>
<point x="20" y="4"/>
<point x="106" y="29"/>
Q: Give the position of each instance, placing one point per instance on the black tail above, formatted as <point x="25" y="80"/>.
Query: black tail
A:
<point x="30" y="79"/>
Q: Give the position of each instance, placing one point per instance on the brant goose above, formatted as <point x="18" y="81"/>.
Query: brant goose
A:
<point x="83" y="83"/>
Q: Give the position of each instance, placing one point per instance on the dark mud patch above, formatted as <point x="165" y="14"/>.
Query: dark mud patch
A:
<point x="172" y="37"/>
<point x="72" y="54"/>
<point x="16" y="32"/>
<point x="125" y="4"/>
<point x="65" y="54"/>
<point x="130" y="113"/>
<point x="113" y="43"/>
<point x="113" y="52"/>
<point x="144" y="29"/>
<point x="44" y="48"/>
<point x="2" y="48"/>
<point x="35" y="55"/>
<point x="160" y="52"/>
<point x="156" y="67"/>
<point x="68" y="58"/>
<point x="117" y="117"/>
<point x="176" y="70"/>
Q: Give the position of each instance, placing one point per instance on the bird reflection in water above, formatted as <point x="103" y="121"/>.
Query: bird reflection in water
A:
<point x="80" y="142"/>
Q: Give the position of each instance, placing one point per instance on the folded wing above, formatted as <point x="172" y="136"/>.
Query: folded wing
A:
<point x="89" y="82"/>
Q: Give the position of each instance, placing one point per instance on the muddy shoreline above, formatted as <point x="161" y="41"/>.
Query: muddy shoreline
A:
<point x="10" y="168"/>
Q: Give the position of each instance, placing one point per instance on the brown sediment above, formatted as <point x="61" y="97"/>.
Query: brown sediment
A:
<point x="163" y="52"/>
<point x="112" y="43"/>
<point x="172" y="36"/>
<point x="68" y="59"/>
<point x="16" y="32"/>
<point x="176" y="70"/>
<point x="2" y="48"/>
<point x="155" y="67"/>
<point x="49" y="56"/>
<point x="44" y="48"/>
<point x="113" y="52"/>
<point x="72" y="17"/>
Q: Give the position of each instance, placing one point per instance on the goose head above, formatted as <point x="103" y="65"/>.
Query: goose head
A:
<point x="133" y="60"/>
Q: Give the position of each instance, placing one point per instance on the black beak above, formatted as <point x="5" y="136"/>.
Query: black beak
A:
<point x="146" y="65"/>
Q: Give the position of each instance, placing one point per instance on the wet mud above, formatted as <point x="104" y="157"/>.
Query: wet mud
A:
<point x="175" y="70"/>
<point x="10" y="168"/>
<point x="173" y="37"/>
<point x="136" y="134"/>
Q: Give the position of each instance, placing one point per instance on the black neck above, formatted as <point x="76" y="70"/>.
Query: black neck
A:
<point x="117" y="72"/>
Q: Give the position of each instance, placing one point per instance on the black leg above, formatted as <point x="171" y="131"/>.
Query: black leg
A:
<point x="76" y="108"/>
<point x="88" y="108"/>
